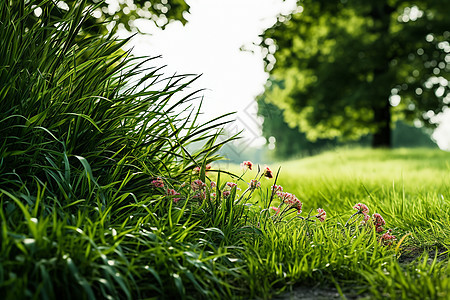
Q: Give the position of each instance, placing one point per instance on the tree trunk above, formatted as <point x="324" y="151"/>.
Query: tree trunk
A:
<point x="381" y="106"/>
<point x="382" y="117"/>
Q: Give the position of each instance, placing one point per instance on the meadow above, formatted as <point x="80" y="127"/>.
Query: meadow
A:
<point x="408" y="187"/>
<point x="102" y="196"/>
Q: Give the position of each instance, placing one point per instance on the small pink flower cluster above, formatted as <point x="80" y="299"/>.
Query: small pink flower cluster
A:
<point x="199" y="195"/>
<point x="197" y="169"/>
<point x="387" y="237"/>
<point x="277" y="188"/>
<point x="231" y="184"/>
<point x="321" y="214"/>
<point x="361" y="208"/>
<point x="247" y="165"/>
<point x="228" y="187"/>
<point x="291" y="200"/>
<point x="378" y="221"/>
<point x="157" y="183"/>
<point x="268" y="173"/>
<point x="172" y="192"/>
<point x="198" y="185"/>
<point x="254" y="184"/>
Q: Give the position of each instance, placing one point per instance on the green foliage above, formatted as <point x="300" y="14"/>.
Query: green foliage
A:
<point x="404" y="135"/>
<point x="292" y="143"/>
<point x="99" y="197"/>
<point x="289" y="142"/>
<point x="425" y="278"/>
<point x="109" y="15"/>
<point x="317" y="254"/>
<point x="160" y="12"/>
<point x="97" y="252"/>
<point x="411" y="195"/>
<point x="68" y="107"/>
<point x="338" y="64"/>
<point x="85" y="129"/>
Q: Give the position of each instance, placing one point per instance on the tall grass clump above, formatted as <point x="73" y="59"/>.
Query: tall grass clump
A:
<point x="69" y="98"/>
<point x="86" y="130"/>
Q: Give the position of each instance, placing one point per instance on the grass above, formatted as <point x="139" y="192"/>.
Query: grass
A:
<point x="102" y="198"/>
<point x="408" y="187"/>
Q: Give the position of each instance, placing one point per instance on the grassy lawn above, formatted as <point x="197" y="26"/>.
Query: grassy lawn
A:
<point x="408" y="187"/>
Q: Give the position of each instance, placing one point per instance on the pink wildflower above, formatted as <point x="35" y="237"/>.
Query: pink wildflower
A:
<point x="388" y="237"/>
<point x="197" y="169"/>
<point x="199" y="195"/>
<point x="290" y="200"/>
<point x="282" y="195"/>
<point x="378" y="220"/>
<point x="276" y="209"/>
<point x="254" y="184"/>
<point x="231" y="184"/>
<point x="213" y="184"/>
<point x="277" y="188"/>
<point x="226" y="193"/>
<point x="157" y="183"/>
<point x="268" y="173"/>
<point x="321" y="214"/>
<point x="198" y="185"/>
<point x="246" y="165"/>
<point x="172" y="192"/>
<point x="285" y="197"/>
<point x="366" y="219"/>
<point x="361" y="208"/>
<point x="297" y="205"/>
<point x="212" y="195"/>
<point x="379" y="229"/>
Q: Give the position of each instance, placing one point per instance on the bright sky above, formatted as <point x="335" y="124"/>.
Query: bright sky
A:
<point x="210" y="43"/>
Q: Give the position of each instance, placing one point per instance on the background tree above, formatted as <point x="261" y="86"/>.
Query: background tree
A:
<point x="289" y="142"/>
<point x="349" y="68"/>
<point x="124" y="12"/>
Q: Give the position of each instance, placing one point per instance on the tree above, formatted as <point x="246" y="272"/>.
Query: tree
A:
<point x="351" y="67"/>
<point x="124" y="12"/>
<point x="289" y="142"/>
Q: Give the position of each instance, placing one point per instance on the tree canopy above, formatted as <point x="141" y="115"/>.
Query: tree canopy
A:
<point x="286" y="142"/>
<point x="125" y="12"/>
<point x="351" y="67"/>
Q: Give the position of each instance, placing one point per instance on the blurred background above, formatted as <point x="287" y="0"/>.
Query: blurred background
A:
<point x="304" y="76"/>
